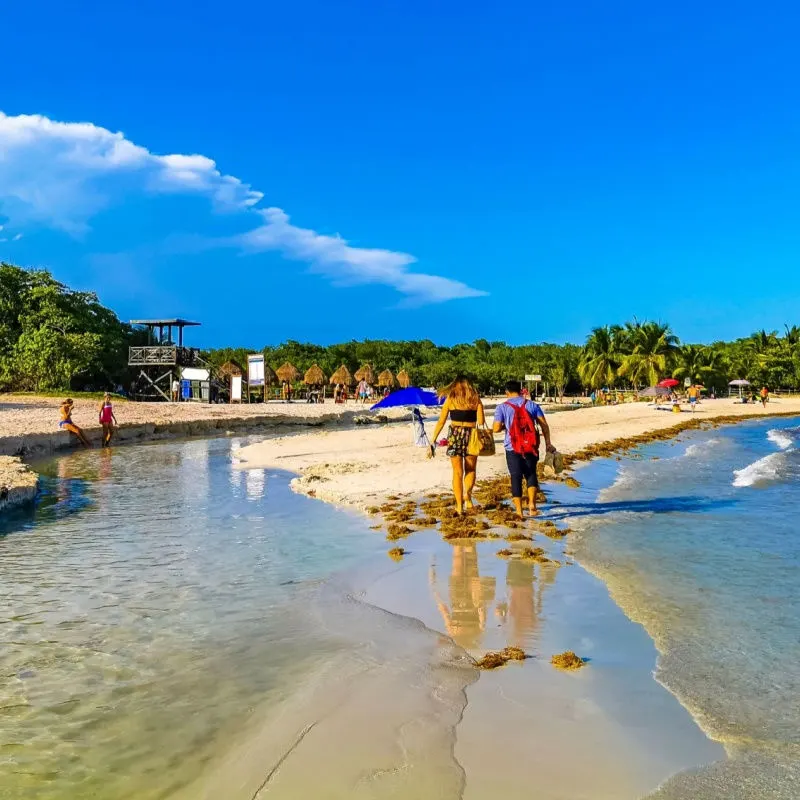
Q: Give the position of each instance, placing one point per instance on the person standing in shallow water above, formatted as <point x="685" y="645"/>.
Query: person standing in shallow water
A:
<point x="107" y="419"/>
<point x="522" y="459"/>
<point x="464" y="407"/>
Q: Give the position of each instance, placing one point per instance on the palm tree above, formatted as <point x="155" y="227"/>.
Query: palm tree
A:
<point x="599" y="360"/>
<point x="699" y="364"/>
<point x="792" y="336"/>
<point x="652" y="345"/>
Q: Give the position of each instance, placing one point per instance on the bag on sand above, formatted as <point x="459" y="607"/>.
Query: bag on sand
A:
<point x="481" y="442"/>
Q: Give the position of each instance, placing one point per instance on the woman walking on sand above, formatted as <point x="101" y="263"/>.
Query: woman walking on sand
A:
<point x="107" y="419"/>
<point x="464" y="408"/>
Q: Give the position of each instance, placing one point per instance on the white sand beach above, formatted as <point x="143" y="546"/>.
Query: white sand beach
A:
<point x="361" y="467"/>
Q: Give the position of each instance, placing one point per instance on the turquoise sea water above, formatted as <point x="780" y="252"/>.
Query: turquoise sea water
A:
<point x="156" y="603"/>
<point x="699" y="541"/>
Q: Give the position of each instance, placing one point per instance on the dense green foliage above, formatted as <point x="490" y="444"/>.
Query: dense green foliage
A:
<point x="55" y="338"/>
<point x="636" y="354"/>
<point x="52" y="337"/>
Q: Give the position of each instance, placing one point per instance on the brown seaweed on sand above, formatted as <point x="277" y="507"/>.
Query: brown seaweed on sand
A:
<point x="397" y="553"/>
<point x="493" y="660"/>
<point x="556" y="533"/>
<point x="518" y="537"/>
<point x="567" y="660"/>
<point x="465" y="528"/>
<point x="398" y="532"/>
<point x="425" y="522"/>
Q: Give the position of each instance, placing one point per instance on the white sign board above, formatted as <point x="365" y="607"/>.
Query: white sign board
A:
<point x="194" y="374"/>
<point x="255" y="370"/>
<point x="687" y="382"/>
<point x="236" y="387"/>
<point x="533" y="377"/>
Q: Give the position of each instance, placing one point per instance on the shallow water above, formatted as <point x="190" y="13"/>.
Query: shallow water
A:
<point x="699" y="541"/>
<point x="157" y="606"/>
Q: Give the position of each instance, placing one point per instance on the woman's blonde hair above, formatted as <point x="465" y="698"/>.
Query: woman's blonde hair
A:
<point x="461" y="393"/>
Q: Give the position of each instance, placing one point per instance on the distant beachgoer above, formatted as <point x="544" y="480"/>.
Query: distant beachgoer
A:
<point x="519" y="419"/>
<point x="593" y="397"/>
<point x="107" y="419"/>
<point x="693" y="393"/>
<point x="67" y="424"/>
<point x="464" y="408"/>
<point x="176" y="390"/>
<point x="764" y="396"/>
<point x="387" y="391"/>
<point x="363" y="390"/>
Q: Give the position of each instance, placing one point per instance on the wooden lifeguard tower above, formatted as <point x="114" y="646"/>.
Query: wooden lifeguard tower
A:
<point x="163" y="360"/>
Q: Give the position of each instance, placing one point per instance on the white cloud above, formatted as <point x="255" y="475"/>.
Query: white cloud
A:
<point x="61" y="174"/>
<point x="16" y="237"/>
<point x="346" y="265"/>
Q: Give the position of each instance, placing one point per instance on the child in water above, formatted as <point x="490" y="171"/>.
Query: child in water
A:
<point x="67" y="423"/>
<point x="107" y="419"/>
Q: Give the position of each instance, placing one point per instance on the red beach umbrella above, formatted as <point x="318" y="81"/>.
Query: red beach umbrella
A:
<point x="668" y="383"/>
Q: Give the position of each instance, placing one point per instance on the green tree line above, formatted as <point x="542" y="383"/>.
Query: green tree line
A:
<point x="53" y="337"/>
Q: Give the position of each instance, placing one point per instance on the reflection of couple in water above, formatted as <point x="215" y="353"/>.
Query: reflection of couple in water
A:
<point x="471" y="596"/>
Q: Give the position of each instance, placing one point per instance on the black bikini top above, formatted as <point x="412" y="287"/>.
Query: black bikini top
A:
<point x="464" y="414"/>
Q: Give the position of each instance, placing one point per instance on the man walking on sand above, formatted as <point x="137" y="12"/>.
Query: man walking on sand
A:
<point x="694" y="395"/>
<point x="519" y="419"/>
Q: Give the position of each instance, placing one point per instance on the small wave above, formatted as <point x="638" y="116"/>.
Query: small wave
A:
<point x="780" y="438"/>
<point x="761" y="471"/>
<point x="698" y="447"/>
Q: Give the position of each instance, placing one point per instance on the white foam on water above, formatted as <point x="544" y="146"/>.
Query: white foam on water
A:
<point x="780" y="438"/>
<point x="761" y="471"/>
<point x="698" y="447"/>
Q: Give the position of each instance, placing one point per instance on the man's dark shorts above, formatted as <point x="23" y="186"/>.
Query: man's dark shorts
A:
<point x="519" y="467"/>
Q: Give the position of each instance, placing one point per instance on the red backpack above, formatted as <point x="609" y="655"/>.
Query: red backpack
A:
<point x="523" y="432"/>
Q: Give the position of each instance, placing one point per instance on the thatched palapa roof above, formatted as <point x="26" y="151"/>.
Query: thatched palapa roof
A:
<point x="365" y="374"/>
<point x="314" y="376"/>
<point x="270" y="375"/>
<point x="342" y="375"/>
<point x="386" y="379"/>
<point x="404" y="379"/>
<point x="288" y="372"/>
<point x="229" y="368"/>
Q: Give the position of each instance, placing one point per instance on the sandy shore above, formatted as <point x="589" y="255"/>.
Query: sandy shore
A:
<point x="17" y="483"/>
<point x="360" y="468"/>
<point x="29" y="425"/>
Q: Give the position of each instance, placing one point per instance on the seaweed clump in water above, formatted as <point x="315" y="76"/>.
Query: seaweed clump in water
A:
<point x="397" y="553"/>
<point x="465" y="528"/>
<point x="567" y="660"/>
<point x="505" y="553"/>
<point x="493" y="660"/>
<point x="572" y="482"/>
<point x="397" y="532"/>
<point x="556" y="533"/>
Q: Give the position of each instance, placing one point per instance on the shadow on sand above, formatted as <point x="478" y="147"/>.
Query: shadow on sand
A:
<point x="688" y="504"/>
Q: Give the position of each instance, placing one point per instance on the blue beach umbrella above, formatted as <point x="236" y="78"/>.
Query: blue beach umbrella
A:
<point x="413" y="396"/>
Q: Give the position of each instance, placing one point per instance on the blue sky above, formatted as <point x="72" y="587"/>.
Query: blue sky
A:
<point x="324" y="171"/>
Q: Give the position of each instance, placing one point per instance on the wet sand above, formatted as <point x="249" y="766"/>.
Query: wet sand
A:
<point x="605" y="731"/>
